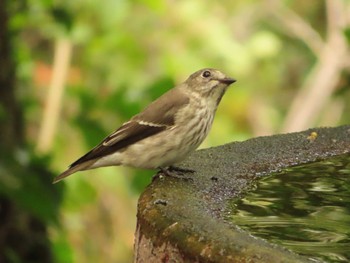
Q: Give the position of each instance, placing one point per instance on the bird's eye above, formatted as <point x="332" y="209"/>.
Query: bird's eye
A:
<point x="206" y="74"/>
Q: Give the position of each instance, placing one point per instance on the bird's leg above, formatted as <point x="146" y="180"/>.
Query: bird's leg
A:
<point x="180" y="170"/>
<point x="176" y="172"/>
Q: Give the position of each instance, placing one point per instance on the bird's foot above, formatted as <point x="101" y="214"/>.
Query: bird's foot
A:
<point x="176" y="172"/>
<point x="180" y="170"/>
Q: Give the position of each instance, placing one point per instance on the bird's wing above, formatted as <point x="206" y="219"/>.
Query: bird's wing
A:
<point x="130" y="132"/>
<point x="157" y="117"/>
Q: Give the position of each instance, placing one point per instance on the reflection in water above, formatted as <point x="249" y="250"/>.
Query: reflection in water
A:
<point x="304" y="208"/>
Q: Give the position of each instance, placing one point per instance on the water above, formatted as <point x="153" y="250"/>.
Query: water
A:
<point x="304" y="208"/>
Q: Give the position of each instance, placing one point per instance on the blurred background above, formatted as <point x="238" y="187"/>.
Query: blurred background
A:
<point x="72" y="71"/>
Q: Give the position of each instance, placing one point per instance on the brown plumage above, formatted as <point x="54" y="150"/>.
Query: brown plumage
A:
<point x="164" y="132"/>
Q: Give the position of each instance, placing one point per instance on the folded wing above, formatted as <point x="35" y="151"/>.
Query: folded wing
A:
<point x="157" y="117"/>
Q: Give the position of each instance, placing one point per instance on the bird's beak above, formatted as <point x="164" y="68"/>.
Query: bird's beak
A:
<point x="227" y="81"/>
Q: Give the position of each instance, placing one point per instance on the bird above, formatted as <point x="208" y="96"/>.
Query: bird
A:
<point x="165" y="132"/>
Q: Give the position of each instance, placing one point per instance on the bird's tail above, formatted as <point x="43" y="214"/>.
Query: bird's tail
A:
<point x="73" y="169"/>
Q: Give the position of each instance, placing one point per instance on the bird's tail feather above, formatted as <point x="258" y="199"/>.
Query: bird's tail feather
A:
<point x="73" y="169"/>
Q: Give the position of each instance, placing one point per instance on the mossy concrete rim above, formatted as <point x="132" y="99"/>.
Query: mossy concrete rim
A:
<point x="182" y="220"/>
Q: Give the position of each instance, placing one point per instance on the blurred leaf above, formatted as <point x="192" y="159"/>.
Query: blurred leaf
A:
<point x="46" y="3"/>
<point x="62" y="17"/>
<point x="30" y="185"/>
<point x="86" y="97"/>
<point x="347" y="34"/>
<point x="140" y="47"/>
<point x="3" y="115"/>
<point x="117" y="103"/>
<point x="91" y="130"/>
<point x="159" y="87"/>
<point x="18" y="21"/>
<point x="79" y="193"/>
<point x="155" y="5"/>
<point x="265" y="44"/>
<point x="62" y="250"/>
<point x="141" y="179"/>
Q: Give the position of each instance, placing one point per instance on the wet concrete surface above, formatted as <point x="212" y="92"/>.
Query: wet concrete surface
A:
<point x="182" y="220"/>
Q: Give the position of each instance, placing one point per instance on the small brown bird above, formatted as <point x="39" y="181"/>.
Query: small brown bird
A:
<point x="165" y="132"/>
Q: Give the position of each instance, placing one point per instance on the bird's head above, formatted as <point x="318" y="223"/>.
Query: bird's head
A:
<point x="209" y="83"/>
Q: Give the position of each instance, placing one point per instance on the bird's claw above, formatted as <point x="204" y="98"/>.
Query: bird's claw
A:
<point x="176" y="172"/>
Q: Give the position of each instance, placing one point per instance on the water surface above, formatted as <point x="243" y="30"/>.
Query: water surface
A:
<point x="304" y="208"/>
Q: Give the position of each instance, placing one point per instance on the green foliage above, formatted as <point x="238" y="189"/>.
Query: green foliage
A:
<point x="141" y="179"/>
<point x="347" y="34"/>
<point x="118" y="102"/>
<point x="126" y="54"/>
<point x="25" y="180"/>
<point x="62" y="16"/>
<point x="62" y="250"/>
<point x="159" y="87"/>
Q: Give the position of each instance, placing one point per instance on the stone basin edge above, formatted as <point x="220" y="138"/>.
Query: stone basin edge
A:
<point x="183" y="220"/>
